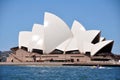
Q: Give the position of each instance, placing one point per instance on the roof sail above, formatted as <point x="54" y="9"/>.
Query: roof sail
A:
<point x="56" y="32"/>
<point x="100" y="45"/>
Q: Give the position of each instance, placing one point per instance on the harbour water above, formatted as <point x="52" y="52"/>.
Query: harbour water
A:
<point x="58" y="73"/>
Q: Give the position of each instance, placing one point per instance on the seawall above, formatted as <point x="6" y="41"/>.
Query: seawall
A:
<point x="59" y="64"/>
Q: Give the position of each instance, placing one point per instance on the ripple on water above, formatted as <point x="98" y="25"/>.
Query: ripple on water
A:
<point x="58" y="73"/>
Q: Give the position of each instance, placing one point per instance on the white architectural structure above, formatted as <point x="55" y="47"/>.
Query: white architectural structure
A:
<point x="55" y="34"/>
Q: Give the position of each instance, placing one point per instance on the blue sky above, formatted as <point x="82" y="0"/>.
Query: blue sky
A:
<point x="20" y="15"/>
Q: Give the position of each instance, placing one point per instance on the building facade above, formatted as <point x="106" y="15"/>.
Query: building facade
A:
<point x="55" y="41"/>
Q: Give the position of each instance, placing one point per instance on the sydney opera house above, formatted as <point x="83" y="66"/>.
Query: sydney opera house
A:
<point x="55" y="41"/>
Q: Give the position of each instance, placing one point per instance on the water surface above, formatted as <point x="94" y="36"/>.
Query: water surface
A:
<point x="58" y="73"/>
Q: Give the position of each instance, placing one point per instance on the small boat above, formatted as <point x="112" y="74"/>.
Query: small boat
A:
<point x="98" y="67"/>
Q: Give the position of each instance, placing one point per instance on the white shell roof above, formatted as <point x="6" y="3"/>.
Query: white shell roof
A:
<point x="77" y="26"/>
<point x="37" y="28"/>
<point x="71" y="44"/>
<point x="63" y="46"/>
<point x="24" y="38"/>
<point x="102" y="39"/>
<point x="37" y="37"/>
<point x="55" y="34"/>
<point x="87" y="47"/>
<point x="99" y="45"/>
